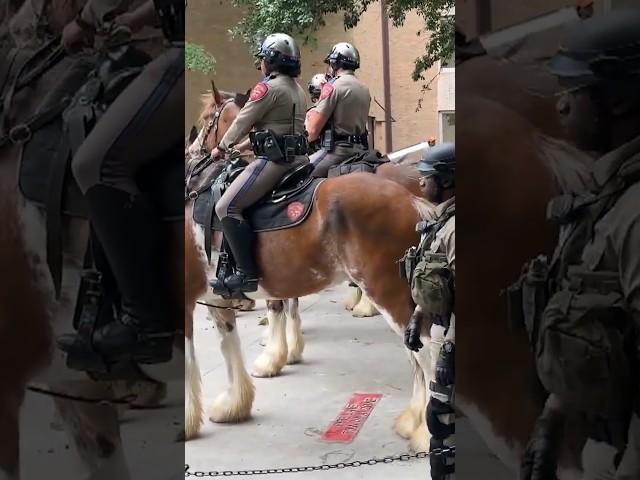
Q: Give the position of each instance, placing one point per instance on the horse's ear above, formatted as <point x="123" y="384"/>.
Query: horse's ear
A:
<point x="216" y="94"/>
<point x="241" y="98"/>
<point x="193" y="134"/>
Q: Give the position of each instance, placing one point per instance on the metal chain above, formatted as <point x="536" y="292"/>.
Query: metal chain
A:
<point x="373" y="461"/>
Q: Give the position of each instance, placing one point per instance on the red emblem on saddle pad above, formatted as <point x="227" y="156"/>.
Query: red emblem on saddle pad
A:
<point x="352" y="417"/>
<point x="327" y="89"/>
<point x="258" y="92"/>
<point x="295" y="210"/>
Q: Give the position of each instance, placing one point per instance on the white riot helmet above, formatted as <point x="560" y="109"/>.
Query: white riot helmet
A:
<point x="343" y="55"/>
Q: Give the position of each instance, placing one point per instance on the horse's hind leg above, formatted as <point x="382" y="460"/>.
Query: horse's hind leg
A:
<point x="10" y="400"/>
<point x="295" y="340"/>
<point x="96" y="433"/>
<point x="365" y="308"/>
<point x="353" y="297"/>
<point x="193" y="381"/>
<point x="413" y="416"/>
<point x="234" y="404"/>
<point x="274" y="357"/>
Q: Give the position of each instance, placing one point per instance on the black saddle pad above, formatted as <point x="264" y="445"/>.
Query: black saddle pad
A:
<point x="368" y="161"/>
<point x="273" y="212"/>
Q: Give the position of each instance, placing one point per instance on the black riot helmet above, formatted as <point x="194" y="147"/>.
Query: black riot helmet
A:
<point x="281" y="54"/>
<point x="343" y="55"/>
<point x="599" y="50"/>
<point x="439" y="160"/>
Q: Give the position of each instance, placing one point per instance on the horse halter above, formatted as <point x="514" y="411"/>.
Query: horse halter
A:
<point x="213" y="125"/>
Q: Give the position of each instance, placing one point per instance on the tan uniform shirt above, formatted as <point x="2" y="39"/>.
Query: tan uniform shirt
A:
<point x="615" y="245"/>
<point x="270" y="106"/>
<point x="445" y="241"/>
<point x="345" y="102"/>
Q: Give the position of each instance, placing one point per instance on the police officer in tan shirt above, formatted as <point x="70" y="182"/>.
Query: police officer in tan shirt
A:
<point x="339" y="119"/>
<point x="278" y="103"/>
<point x="131" y="135"/>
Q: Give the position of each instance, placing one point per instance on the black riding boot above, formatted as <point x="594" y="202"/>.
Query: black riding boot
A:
<point x="241" y="240"/>
<point x="129" y="231"/>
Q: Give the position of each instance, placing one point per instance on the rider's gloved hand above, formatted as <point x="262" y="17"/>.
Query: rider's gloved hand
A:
<point x="76" y="34"/>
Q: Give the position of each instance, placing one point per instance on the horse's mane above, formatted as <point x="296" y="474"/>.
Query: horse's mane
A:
<point x="570" y="166"/>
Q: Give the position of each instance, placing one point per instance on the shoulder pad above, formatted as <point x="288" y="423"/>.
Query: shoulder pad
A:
<point x="327" y="89"/>
<point x="258" y="92"/>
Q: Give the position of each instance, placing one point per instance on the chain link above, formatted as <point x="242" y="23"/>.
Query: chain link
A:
<point x="405" y="457"/>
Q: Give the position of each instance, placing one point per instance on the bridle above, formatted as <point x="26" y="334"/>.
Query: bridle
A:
<point x="212" y="125"/>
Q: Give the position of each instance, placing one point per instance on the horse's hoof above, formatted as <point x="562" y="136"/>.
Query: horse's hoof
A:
<point x="420" y="438"/>
<point x="267" y="366"/>
<point x="406" y="423"/>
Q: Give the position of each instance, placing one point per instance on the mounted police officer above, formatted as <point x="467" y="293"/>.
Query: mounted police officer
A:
<point x="339" y="119"/>
<point x="315" y="86"/>
<point x="132" y="134"/>
<point x="585" y="321"/>
<point x="431" y="271"/>
<point x="275" y="111"/>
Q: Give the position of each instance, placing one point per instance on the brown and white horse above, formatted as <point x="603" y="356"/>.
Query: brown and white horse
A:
<point x="359" y="226"/>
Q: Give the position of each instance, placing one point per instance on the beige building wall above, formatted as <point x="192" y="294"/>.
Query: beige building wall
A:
<point x="208" y="26"/>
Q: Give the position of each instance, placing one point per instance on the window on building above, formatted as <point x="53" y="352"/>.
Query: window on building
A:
<point x="450" y="61"/>
<point x="447" y="127"/>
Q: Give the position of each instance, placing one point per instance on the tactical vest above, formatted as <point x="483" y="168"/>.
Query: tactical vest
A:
<point x="428" y="272"/>
<point x="578" y="322"/>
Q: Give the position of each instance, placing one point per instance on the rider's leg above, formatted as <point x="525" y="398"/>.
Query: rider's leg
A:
<point x="252" y="184"/>
<point x="323" y="160"/>
<point x="132" y="133"/>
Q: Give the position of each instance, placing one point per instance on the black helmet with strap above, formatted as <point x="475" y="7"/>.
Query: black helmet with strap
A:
<point x="280" y="50"/>
<point x="343" y="55"/>
<point x="600" y="49"/>
<point x="439" y="159"/>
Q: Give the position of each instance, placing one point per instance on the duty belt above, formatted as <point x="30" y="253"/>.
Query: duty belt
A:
<point x="355" y="139"/>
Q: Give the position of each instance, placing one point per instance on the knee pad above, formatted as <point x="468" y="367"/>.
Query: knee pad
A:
<point x="438" y="429"/>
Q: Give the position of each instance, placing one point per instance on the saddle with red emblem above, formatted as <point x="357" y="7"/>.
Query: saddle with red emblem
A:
<point x="287" y="206"/>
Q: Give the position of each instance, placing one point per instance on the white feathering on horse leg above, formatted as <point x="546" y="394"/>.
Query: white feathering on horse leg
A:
<point x="365" y="308"/>
<point x="425" y="357"/>
<point x="234" y="404"/>
<point x="192" y="392"/>
<point x="295" y="340"/>
<point x="409" y="420"/>
<point x="274" y="357"/>
<point x="353" y="297"/>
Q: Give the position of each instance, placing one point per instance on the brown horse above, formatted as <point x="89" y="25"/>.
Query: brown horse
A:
<point x="507" y="172"/>
<point x="30" y="315"/>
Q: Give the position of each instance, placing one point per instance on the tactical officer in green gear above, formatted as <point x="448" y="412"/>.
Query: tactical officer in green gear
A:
<point x="585" y="328"/>
<point x="431" y="271"/>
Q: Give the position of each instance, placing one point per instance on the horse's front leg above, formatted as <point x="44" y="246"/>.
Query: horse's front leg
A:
<point x="234" y="404"/>
<point x="274" y="356"/>
<point x="95" y="430"/>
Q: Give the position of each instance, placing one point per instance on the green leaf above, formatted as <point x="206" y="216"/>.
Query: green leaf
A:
<point x="197" y="59"/>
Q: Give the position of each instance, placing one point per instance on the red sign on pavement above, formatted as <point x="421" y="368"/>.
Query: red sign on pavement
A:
<point x="345" y="428"/>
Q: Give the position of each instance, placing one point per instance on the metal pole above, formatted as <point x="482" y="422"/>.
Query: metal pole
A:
<point x="386" y="77"/>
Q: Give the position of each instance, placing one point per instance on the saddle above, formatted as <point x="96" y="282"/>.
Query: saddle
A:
<point x="286" y="206"/>
<point x="70" y="111"/>
<point x="368" y="161"/>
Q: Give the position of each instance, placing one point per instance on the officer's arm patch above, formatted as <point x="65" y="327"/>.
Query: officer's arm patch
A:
<point x="327" y="89"/>
<point x="258" y="92"/>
